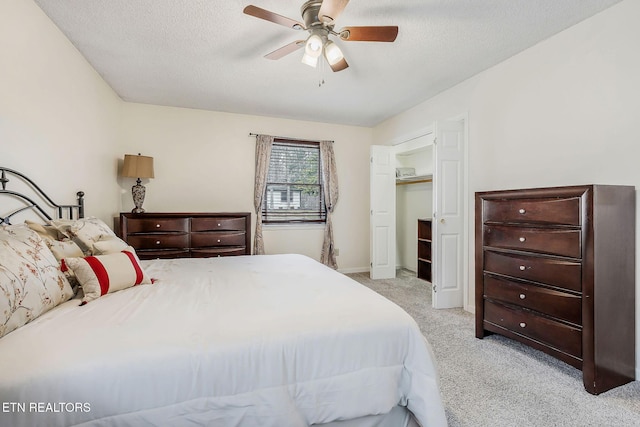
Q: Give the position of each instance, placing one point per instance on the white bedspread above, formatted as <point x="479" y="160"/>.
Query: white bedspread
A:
<point x="252" y="341"/>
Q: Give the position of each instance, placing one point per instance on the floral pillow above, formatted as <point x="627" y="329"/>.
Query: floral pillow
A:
<point x="30" y="281"/>
<point x="85" y="232"/>
<point x="102" y="274"/>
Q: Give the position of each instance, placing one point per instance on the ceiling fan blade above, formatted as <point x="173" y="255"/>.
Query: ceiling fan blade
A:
<point x="258" y="12"/>
<point x="369" y="34"/>
<point x="285" y="50"/>
<point x="339" y="66"/>
<point x="331" y="9"/>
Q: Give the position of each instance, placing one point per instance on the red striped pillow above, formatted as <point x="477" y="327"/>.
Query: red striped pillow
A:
<point x="102" y="274"/>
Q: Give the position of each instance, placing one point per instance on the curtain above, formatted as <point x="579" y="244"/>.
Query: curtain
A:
<point x="330" y="184"/>
<point x="263" y="156"/>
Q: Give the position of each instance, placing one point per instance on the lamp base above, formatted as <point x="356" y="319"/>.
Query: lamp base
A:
<point x="138" y="192"/>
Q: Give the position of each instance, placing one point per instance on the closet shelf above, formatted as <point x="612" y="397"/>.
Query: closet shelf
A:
<point x="414" y="179"/>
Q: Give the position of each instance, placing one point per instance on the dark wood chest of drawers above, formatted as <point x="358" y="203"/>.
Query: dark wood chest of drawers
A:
<point x="181" y="235"/>
<point x="555" y="269"/>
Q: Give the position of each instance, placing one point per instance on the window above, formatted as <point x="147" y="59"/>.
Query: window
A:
<point x="294" y="191"/>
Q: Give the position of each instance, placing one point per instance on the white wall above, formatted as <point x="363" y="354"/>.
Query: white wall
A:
<point x="58" y="118"/>
<point x="413" y="201"/>
<point x="564" y="112"/>
<point x="204" y="161"/>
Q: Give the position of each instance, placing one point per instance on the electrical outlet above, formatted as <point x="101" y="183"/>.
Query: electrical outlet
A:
<point x="336" y="251"/>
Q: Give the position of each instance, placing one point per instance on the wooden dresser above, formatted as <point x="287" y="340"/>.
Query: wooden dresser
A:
<point x="555" y="269"/>
<point x="182" y="235"/>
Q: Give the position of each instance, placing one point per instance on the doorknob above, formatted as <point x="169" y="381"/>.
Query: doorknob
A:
<point x="441" y="220"/>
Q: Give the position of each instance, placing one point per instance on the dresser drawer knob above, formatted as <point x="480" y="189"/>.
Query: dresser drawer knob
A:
<point x="219" y="224"/>
<point x="522" y="211"/>
<point x="157" y="242"/>
<point x="157" y="225"/>
<point x="218" y="240"/>
<point x="522" y="268"/>
<point x="522" y="296"/>
<point x="523" y="325"/>
<point x="522" y="239"/>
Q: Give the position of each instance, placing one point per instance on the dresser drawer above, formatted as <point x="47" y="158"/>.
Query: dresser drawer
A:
<point x="218" y="223"/>
<point x="555" y="334"/>
<point x="554" y="303"/>
<point x="543" y="240"/>
<point x="552" y="271"/>
<point x="563" y="211"/>
<point x="159" y="241"/>
<point x="217" y="238"/>
<point x="162" y="254"/>
<point x="157" y="225"/>
<point x="217" y="252"/>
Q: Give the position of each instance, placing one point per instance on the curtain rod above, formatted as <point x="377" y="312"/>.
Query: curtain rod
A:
<point x="288" y="138"/>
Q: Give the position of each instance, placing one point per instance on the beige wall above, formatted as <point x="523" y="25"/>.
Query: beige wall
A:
<point x="204" y="161"/>
<point x="58" y="118"/>
<point x="563" y="112"/>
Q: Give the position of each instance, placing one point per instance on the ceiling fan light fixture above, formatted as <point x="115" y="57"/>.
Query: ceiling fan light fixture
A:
<point x="312" y="50"/>
<point x="313" y="47"/>
<point x="333" y="53"/>
<point x="309" y="60"/>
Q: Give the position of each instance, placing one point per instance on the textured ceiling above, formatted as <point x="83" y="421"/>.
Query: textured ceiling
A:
<point x="207" y="54"/>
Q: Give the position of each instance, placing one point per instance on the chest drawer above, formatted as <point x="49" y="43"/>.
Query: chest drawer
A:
<point x="219" y="223"/>
<point x="159" y="241"/>
<point x="563" y="211"/>
<point x="555" y="334"/>
<point x="162" y="253"/>
<point x="217" y="238"/>
<point x="543" y="240"/>
<point x="552" y="271"/>
<point x="558" y="304"/>
<point x="157" y="225"/>
<point x="216" y="252"/>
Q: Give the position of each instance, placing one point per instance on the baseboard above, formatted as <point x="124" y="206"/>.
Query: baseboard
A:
<point x="354" y="270"/>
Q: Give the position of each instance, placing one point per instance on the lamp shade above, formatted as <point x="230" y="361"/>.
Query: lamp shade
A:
<point x="137" y="166"/>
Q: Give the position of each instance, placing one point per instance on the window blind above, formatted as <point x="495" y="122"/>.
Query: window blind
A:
<point x="294" y="190"/>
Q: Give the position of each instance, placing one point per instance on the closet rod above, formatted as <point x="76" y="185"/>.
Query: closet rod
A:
<point x="288" y="138"/>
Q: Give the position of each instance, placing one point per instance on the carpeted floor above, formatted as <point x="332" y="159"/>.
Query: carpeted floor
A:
<point x="498" y="382"/>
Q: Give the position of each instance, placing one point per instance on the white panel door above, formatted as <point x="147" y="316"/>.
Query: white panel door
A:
<point x="383" y="212"/>
<point x="448" y="289"/>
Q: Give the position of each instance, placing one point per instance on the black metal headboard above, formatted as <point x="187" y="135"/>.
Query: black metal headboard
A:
<point x="62" y="210"/>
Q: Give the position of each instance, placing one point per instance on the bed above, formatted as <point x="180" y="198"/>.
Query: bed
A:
<point x="271" y="340"/>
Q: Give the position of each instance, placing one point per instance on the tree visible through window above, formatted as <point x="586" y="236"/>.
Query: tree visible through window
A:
<point x="294" y="191"/>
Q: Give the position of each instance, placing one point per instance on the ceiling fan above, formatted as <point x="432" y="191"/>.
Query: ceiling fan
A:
<point x="319" y="17"/>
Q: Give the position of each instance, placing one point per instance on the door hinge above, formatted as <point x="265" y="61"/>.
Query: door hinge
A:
<point x="433" y="286"/>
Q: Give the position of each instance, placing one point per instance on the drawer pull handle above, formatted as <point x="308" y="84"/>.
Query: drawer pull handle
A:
<point x="157" y="242"/>
<point x="219" y="224"/>
<point x="522" y="296"/>
<point x="523" y="325"/>
<point x="218" y="240"/>
<point x="157" y="225"/>
<point x="522" y="211"/>
<point x="522" y="239"/>
<point x="522" y="268"/>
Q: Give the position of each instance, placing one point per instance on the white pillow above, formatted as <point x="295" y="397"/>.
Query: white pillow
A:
<point x="102" y="274"/>
<point x="31" y="282"/>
